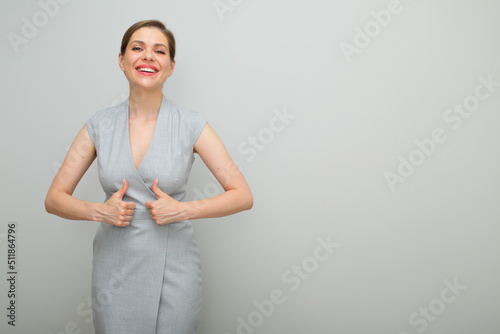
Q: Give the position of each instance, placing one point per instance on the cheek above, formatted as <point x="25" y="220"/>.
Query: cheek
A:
<point x="129" y="61"/>
<point x="167" y="65"/>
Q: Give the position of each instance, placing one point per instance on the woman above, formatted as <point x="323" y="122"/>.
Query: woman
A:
<point x="146" y="268"/>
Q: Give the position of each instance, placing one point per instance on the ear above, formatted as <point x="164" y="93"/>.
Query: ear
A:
<point x="172" y="67"/>
<point x="120" y="62"/>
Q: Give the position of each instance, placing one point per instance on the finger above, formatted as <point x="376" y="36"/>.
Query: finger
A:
<point x="121" y="192"/>
<point x="148" y="204"/>
<point x="156" y="189"/>
<point x="130" y="205"/>
<point x="126" y="220"/>
<point x="121" y="222"/>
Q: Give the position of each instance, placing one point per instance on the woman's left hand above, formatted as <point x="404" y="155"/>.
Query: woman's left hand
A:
<point x="165" y="209"/>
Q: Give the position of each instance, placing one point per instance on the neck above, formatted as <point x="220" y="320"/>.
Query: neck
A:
<point x="144" y="104"/>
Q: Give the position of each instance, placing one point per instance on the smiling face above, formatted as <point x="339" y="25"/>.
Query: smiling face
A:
<point x="146" y="61"/>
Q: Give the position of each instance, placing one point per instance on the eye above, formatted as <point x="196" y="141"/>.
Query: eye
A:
<point x="137" y="48"/>
<point x="160" y="52"/>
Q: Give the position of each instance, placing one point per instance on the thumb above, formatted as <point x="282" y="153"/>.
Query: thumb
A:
<point x="121" y="192"/>
<point x="157" y="190"/>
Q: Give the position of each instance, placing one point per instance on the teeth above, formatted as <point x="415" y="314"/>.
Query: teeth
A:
<point x="146" y="69"/>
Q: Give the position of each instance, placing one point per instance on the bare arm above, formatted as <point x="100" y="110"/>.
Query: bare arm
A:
<point x="59" y="199"/>
<point x="236" y="196"/>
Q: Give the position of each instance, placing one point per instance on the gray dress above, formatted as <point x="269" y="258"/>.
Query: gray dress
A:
<point x="146" y="277"/>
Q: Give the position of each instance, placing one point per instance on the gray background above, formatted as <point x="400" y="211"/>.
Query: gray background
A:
<point x="320" y="175"/>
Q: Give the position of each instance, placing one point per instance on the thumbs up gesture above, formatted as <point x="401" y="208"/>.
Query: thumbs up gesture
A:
<point x="165" y="209"/>
<point x="115" y="211"/>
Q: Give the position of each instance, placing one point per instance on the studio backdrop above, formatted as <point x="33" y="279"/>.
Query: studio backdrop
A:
<point x="367" y="131"/>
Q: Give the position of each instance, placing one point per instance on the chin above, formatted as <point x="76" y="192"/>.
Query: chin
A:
<point x="147" y="86"/>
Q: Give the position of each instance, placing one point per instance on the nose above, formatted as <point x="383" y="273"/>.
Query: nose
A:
<point x="148" y="55"/>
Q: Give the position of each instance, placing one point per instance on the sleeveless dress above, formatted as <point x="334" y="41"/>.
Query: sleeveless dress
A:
<point x="146" y="278"/>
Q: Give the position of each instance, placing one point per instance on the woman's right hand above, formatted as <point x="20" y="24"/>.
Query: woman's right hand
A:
<point x="115" y="211"/>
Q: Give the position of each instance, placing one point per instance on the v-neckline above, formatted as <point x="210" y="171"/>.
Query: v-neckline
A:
<point x="129" y="143"/>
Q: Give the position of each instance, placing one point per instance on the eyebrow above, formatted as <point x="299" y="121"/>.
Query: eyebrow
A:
<point x="157" y="44"/>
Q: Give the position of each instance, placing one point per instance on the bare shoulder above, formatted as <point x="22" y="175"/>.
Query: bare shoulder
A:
<point x="209" y="143"/>
<point x="80" y="156"/>
<point x="212" y="151"/>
